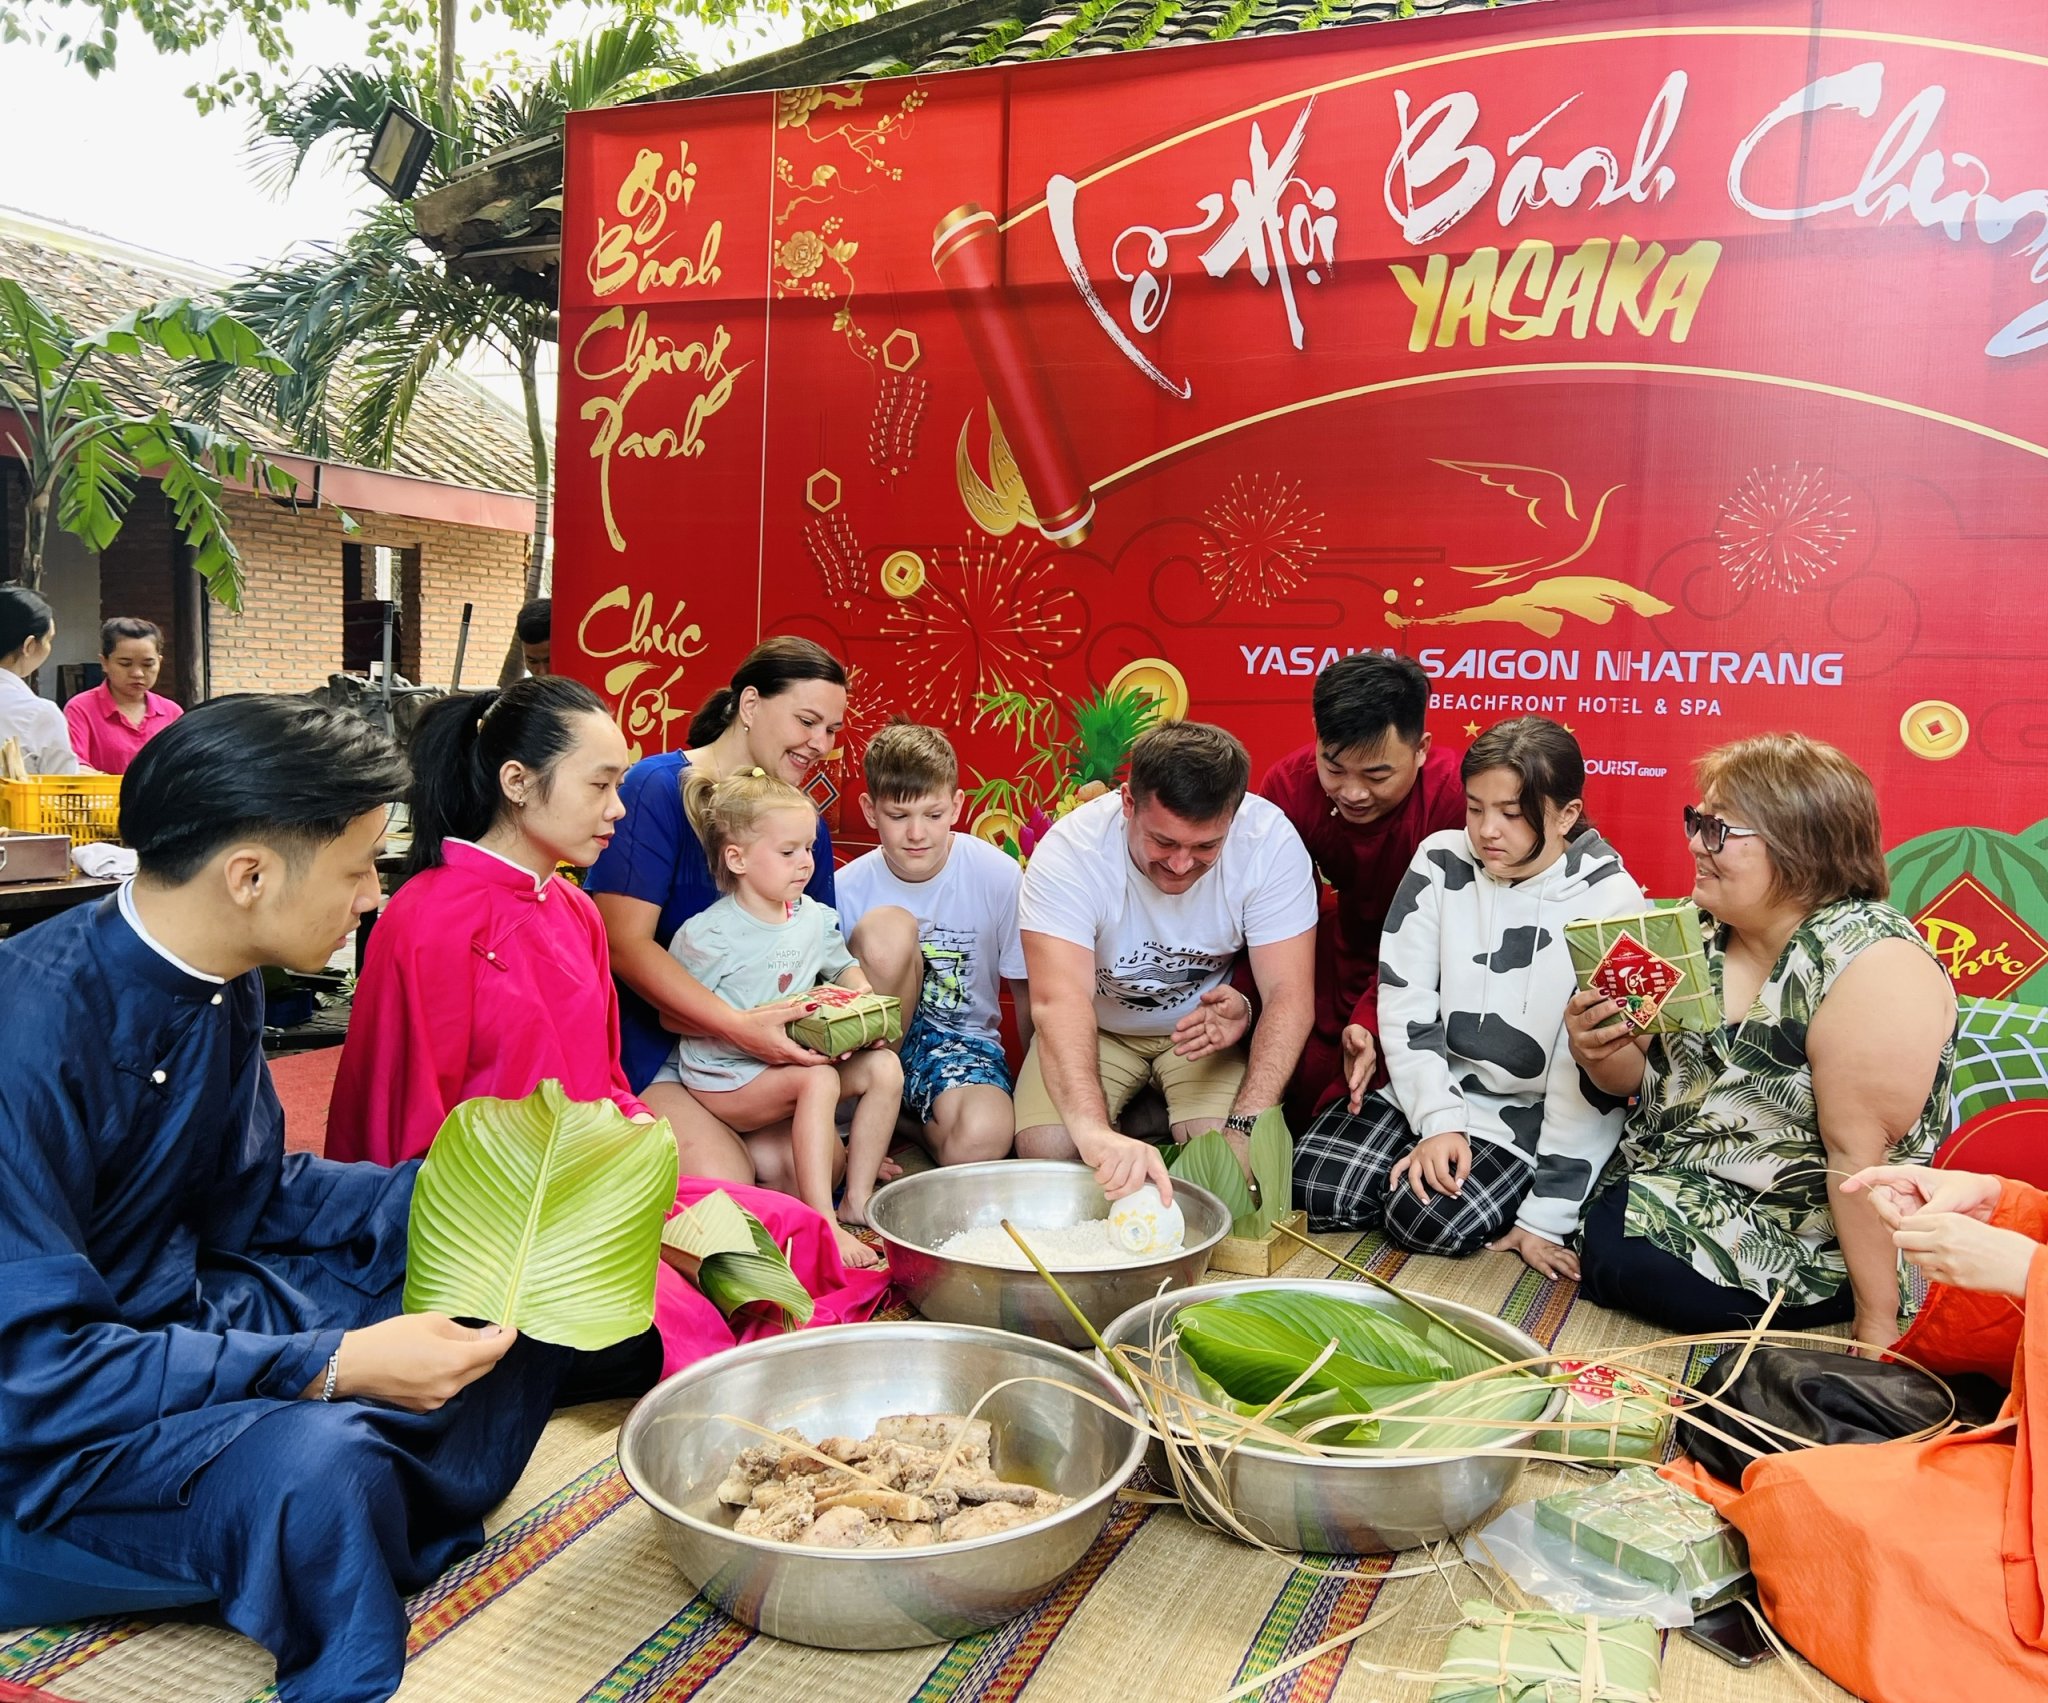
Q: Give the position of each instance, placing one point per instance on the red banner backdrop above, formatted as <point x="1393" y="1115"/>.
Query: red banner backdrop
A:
<point x="1678" y="371"/>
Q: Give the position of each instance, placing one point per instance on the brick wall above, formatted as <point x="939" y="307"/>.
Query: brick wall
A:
<point x="288" y="635"/>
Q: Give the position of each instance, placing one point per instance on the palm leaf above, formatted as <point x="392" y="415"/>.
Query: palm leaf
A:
<point x="94" y="496"/>
<point x="543" y="1214"/>
<point x="186" y="332"/>
<point x="35" y="333"/>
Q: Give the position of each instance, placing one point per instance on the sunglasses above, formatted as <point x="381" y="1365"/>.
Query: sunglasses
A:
<point x="1714" y="834"/>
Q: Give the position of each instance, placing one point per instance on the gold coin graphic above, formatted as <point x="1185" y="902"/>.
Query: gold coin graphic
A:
<point x="1934" y="729"/>
<point x="903" y="573"/>
<point x="994" y="826"/>
<point x="1158" y="677"/>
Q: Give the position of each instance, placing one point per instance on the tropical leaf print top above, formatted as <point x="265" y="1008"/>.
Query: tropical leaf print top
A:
<point x="1726" y="1169"/>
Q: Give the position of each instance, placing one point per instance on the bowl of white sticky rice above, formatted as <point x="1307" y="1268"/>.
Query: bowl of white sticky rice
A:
<point x="951" y="1258"/>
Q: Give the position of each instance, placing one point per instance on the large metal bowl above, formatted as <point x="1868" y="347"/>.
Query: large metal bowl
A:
<point x="674" y="1449"/>
<point x="1361" y="1506"/>
<point x="914" y="1214"/>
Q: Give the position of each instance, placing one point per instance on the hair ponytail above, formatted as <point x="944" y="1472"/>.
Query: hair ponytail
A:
<point x="462" y="743"/>
<point x="452" y="796"/>
<point x="24" y="615"/>
<point x="713" y="717"/>
<point x="771" y="667"/>
<point x="727" y="812"/>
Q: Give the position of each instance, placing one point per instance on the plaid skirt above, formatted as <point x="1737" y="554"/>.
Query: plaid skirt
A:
<point x="1341" y="1167"/>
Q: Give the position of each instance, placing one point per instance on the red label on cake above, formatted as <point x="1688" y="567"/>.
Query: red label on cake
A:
<point x="830" y="993"/>
<point x="1636" y="979"/>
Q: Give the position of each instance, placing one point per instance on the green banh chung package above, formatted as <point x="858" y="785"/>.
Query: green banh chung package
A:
<point x="846" y="1020"/>
<point x="1653" y="1530"/>
<point x="1541" y="1656"/>
<point x="1609" y="1416"/>
<point x="1652" y="965"/>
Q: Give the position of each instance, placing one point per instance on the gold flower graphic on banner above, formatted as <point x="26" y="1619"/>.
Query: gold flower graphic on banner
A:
<point x="815" y="260"/>
<point x="1265" y="537"/>
<point x="1782" y="530"/>
<point x="803" y="254"/>
<point x="984" y="620"/>
<point x="795" y="106"/>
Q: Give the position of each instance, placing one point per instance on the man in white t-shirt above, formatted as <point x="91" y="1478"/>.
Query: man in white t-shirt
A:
<point x="1134" y="911"/>
<point x="963" y="893"/>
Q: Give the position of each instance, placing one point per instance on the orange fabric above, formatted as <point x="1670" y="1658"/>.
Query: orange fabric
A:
<point x="1908" y="1572"/>
<point x="1688" y="1474"/>
<point x="1958" y="1330"/>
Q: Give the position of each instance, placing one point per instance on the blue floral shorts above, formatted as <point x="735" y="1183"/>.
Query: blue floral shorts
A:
<point x="936" y="1059"/>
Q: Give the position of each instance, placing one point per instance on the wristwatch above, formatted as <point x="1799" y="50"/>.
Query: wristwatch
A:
<point x="1241" y="1122"/>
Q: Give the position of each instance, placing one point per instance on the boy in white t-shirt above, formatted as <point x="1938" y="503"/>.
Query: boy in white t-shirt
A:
<point x="963" y="893"/>
<point x="1134" y="912"/>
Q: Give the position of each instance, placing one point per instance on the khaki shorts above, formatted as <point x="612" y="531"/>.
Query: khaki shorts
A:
<point x="1196" y="1090"/>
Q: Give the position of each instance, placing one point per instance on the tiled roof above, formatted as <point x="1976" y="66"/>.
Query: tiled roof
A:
<point x="951" y="35"/>
<point x="500" y="223"/>
<point x="459" y="433"/>
<point x="1013" y="34"/>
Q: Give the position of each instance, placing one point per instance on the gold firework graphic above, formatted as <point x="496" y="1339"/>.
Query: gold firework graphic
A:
<point x="834" y="547"/>
<point x="866" y="715"/>
<point x="1783" y="528"/>
<point x="986" y="619"/>
<point x="1265" y="538"/>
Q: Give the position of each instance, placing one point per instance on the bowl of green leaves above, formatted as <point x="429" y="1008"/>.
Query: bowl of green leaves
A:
<point x="1321" y="1415"/>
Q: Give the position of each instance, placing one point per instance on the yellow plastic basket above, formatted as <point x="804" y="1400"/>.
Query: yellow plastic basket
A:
<point x="87" y="807"/>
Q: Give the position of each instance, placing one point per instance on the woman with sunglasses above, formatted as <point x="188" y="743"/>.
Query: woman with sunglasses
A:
<point x="1835" y="1055"/>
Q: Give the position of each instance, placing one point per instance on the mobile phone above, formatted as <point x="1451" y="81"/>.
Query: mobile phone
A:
<point x="1732" y="1633"/>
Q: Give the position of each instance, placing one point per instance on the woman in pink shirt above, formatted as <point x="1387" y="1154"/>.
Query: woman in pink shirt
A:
<point x="111" y="722"/>
<point x="488" y="974"/>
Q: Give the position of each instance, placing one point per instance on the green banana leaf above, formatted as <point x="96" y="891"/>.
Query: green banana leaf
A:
<point x="1257" y="1343"/>
<point x="739" y="1261"/>
<point x="1208" y="1162"/>
<point x="1509" y="1395"/>
<point x="543" y="1214"/>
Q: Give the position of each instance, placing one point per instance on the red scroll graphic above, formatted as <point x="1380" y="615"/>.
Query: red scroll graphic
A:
<point x="967" y="256"/>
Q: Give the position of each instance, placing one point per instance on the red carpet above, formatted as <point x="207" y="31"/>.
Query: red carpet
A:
<point x="305" y="1083"/>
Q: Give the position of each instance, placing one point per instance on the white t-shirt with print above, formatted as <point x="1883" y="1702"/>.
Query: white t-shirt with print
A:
<point x="1157" y="953"/>
<point x="966" y="925"/>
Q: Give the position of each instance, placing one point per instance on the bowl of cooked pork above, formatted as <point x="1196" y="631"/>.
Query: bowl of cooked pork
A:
<point x="877" y="1486"/>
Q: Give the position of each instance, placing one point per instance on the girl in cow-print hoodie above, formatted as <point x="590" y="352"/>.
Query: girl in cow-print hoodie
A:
<point x="1487" y="1133"/>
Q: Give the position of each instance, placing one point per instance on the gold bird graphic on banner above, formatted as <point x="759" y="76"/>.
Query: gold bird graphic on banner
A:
<point x="1545" y="599"/>
<point x="1552" y="508"/>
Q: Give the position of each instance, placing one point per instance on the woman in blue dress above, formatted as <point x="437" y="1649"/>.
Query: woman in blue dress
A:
<point x="782" y="713"/>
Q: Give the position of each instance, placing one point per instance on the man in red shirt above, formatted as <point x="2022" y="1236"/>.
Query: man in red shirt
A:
<point x="1363" y="796"/>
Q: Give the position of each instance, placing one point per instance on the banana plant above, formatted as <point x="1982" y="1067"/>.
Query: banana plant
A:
<point x="84" y="450"/>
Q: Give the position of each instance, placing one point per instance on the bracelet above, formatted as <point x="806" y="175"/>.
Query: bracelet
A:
<point x="1247" y="998"/>
<point x="1241" y="1122"/>
<point x="333" y="1375"/>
